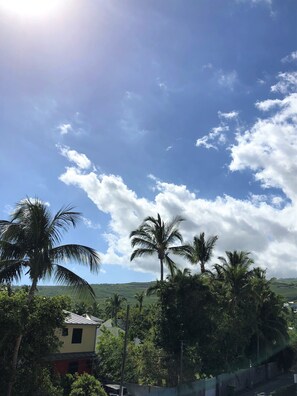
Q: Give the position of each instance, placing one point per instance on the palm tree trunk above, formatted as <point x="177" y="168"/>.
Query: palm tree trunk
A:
<point x="202" y="266"/>
<point x="162" y="269"/>
<point x="18" y="342"/>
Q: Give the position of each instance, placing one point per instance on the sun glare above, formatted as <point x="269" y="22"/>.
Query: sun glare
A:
<point x="30" y="8"/>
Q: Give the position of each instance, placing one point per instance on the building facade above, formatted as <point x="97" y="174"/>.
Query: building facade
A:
<point x="78" y="345"/>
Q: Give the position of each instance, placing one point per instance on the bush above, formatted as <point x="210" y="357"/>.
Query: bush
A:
<point x="86" y="385"/>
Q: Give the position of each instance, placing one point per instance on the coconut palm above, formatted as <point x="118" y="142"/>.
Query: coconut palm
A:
<point x="29" y="243"/>
<point x="139" y="297"/>
<point x="235" y="273"/>
<point x="113" y="306"/>
<point x="154" y="236"/>
<point x="201" y="250"/>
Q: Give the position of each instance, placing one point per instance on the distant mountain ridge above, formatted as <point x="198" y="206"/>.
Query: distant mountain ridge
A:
<point x="286" y="287"/>
<point x="103" y="291"/>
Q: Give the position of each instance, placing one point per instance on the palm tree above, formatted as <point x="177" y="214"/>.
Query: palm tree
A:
<point x="29" y="242"/>
<point x="113" y="306"/>
<point x="139" y="297"/>
<point x="235" y="272"/>
<point x="156" y="236"/>
<point x="200" y="251"/>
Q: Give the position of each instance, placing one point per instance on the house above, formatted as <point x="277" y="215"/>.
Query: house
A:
<point x="78" y="345"/>
<point x="109" y="325"/>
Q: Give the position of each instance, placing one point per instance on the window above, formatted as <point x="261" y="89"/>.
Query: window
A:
<point x="77" y="336"/>
<point x="64" y="332"/>
<point x="73" y="367"/>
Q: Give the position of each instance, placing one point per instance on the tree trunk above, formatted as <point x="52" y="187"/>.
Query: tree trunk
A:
<point x="14" y="364"/>
<point x="202" y="266"/>
<point x="18" y="344"/>
<point x="162" y="269"/>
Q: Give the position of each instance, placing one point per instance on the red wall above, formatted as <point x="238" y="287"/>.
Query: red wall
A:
<point x="61" y="366"/>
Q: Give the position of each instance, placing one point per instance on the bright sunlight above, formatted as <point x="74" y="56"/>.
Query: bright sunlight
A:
<point x="30" y="8"/>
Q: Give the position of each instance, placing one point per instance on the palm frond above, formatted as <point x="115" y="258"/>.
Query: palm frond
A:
<point x="63" y="275"/>
<point x="62" y="221"/>
<point x="11" y="270"/>
<point x="170" y="264"/>
<point x="141" y="252"/>
<point x="81" y="254"/>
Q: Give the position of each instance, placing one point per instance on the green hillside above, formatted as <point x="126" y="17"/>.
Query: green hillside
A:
<point x="103" y="291"/>
<point x="285" y="287"/>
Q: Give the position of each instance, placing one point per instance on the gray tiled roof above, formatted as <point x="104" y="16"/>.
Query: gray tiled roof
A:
<point x="73" y="318"/>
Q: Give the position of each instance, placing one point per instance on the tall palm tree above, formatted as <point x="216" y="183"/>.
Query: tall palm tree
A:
<point x="29" y="242"/>
<point x="154" y="236"/>
<point x="201" y="250"/>
<point x="235" y="272"/>
<point x="139" y="298"/>
<point x="113" y="306"/>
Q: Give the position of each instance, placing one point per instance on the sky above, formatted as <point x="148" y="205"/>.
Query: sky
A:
<point x="125" y="109"/>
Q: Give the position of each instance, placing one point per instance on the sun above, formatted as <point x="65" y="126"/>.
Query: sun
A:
<point x="30" y="8"/>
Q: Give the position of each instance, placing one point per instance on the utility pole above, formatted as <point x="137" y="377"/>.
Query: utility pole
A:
<point x="125" y="351"/>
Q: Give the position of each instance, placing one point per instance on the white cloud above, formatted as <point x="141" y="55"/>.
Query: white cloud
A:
<point x="287" y="83"/>
<point x="242" y="225"/>
<point x="81" y="160"/>
<point x="204" y="142"/>
<point x="264" y="224"/>
<point x="269" y="148"/>
<point x="228" y="116"/>
<point x="268" y="104"/>
<point x="292" y="57"/>
<point x="89" y="224"/>
<point x="65" y="129"/>
<point x="169" y="148"/>
<point x="216" y="137"/>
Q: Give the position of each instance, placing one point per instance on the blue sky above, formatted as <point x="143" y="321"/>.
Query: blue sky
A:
<point x="125" y="109"/>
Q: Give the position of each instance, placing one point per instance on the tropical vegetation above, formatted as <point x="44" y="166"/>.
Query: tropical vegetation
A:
<point x="197" y="325"/>
<point x="30" y="243"/>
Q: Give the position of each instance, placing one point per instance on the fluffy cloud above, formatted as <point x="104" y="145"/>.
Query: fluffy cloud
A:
<point x="264" y="224"/>
<point x="81" y="160"/>
<point x="218" y="135"/>
<point x="287" y="83"/>
<point x="215" y="137"/>
<point x="269" y="148"/>
<point x="64" y="128"/>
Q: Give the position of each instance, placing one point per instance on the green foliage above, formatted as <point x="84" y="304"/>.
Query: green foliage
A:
<point x="151" y="364"/>
<point x="38" y="322"/>
<point x="30" y="241"/>
<point x="86" y="385"/>
<point x="113" y="306"/>
<point x="187" y="317"/>
<point x="110" y="350"/>
<point x="142" y="324"/>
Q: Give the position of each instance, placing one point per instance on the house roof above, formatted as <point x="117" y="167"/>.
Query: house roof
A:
<point x="94" y="318"/>
<point x="73" y="318"/>
<point x="108" y="325"/>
